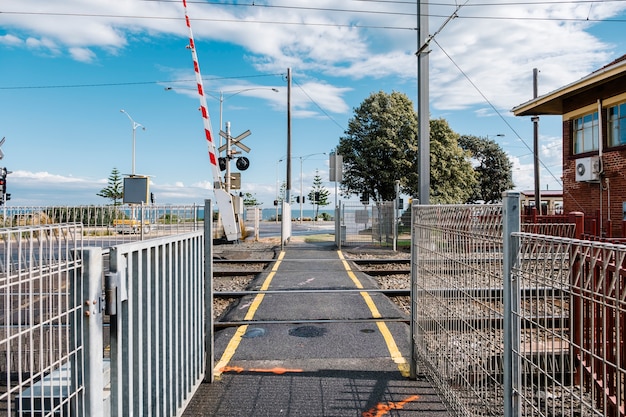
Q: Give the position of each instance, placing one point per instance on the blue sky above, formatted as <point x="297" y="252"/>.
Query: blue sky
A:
<point x="67" y="68"/>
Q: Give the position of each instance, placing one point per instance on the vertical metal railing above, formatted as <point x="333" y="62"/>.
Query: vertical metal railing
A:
<point x="158" y="332"/>
<point x="106" y="226"/>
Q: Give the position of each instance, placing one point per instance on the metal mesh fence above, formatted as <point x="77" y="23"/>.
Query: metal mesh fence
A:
<point x="563" y="329"/>
<point x="39" y="319"/>
<point x="367" y="224"/>
<point x="105" y="226"/>
<point x="457" y="304"/>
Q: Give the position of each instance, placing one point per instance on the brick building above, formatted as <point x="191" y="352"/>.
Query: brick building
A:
<point x="594" y="143"/>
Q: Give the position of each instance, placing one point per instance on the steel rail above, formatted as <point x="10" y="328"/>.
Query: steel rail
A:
<point x="225" y="324"/>
<point x="395" y="292"/>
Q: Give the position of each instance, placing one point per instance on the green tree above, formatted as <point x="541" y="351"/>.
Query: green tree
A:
<point x="452" y="177"/>
<point x="115" y="189"/>
<point x="379" y="146"/>
<point x="492" y="166"/>
<point x="322" y="193"/>
<point x="249" y="199"/>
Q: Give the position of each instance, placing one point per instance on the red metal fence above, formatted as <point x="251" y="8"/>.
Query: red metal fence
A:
<point x="598" y="323"/>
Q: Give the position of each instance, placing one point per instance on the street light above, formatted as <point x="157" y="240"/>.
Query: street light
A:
<point x="302" y="158"/>
<point x="135" y="126"/>
<point x="222" y="98"/>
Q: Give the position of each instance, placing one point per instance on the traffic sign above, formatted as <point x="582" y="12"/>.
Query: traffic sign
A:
<point x="236" y="141"/>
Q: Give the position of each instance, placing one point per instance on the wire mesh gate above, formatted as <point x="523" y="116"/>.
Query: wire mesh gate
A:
<point x="517" y="324"/>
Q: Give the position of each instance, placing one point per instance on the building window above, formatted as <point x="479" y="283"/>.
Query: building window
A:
<point x="586" y="133"/>
<point x="617" y="125"/>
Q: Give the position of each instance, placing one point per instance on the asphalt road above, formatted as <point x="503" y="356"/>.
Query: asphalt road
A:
<point x="314" y="354"/>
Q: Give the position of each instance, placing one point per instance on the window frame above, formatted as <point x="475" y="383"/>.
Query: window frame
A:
<point x="616" y="124"/>
<point x="579" y="126"/>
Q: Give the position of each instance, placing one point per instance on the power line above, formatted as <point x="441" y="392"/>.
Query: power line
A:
<point x="547" y="168"/>
<point x="339" y="25"/>
<point x="317" y="105"/>
<point x="34" y="87"/>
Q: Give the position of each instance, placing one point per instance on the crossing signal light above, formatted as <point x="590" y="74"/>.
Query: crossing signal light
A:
<point x="317" y="196"/>
<point x="222" y="163"/>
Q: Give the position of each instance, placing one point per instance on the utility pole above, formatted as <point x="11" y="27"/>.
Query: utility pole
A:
<point x="288" y="190"/>
<point x="535" y="120"/>
<point x="423" y="111"/>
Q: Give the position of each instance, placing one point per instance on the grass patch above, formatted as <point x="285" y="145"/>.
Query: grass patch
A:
<point x="324" y="237"/>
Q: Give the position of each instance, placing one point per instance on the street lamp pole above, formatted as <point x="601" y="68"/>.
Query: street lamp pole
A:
<point x="221" y="98"/>
<point x="135" y="126"/>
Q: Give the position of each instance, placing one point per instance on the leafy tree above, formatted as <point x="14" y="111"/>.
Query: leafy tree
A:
<point x="249" y="200"/>
<point x="494" y="169"/>
<point x="115" y="189"/>
<point x="379" y="146"/>
<point x="452" y="177"/>
<point x="319" y="189"/>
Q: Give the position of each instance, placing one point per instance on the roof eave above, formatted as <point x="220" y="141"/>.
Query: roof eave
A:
<point x="552" y="103"/>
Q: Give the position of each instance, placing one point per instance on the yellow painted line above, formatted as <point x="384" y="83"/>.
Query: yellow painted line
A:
<point x="241" y="330"/>
<point x="394" y="352"/>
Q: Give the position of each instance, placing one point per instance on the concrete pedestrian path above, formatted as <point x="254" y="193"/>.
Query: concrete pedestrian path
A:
<point x="312" y="352"/>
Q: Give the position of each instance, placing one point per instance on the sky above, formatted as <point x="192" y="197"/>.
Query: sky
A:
<point x="68" y="68"/>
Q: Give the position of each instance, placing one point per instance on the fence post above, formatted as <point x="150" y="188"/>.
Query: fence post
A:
<point x="578" y="219"/>
<point x="121" y="349"/>
<point x="338" y="234"/>
<point x="413" y="361"/>
<point x="209" y="355"/>
<point x="93" y="308"/>
<point x="512" y="377"/>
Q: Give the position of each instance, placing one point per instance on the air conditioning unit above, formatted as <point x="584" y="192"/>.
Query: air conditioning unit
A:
<point x="588" y="169"/>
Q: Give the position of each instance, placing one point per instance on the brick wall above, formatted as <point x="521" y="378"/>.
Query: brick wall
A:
<point x="587" y="197"/>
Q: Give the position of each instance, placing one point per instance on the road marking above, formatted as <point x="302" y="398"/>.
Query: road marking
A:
<point x="241" y="330"/>
<point x="381" y="409"/>
<point x="277" y="370"/>
<point x="396" y="356"/>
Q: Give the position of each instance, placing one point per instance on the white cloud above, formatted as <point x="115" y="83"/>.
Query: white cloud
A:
<point x="496" y="45"/>
<point x="82" y="54"/>
<point x="10" y="40"/>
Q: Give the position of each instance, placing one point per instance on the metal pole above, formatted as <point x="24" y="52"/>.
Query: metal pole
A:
<point x="221" y="105"/>
<point x="512" y="377"/>
<point x="135" y="126"/>
<point x="423" y="111"/>
<point x="394" y="217"/>
<point x="535" y="120"/>
<point x="301" y="190"/>
<point x="288" y="190"/>
<point x="209" y="354"/>
<point x="228" y="145"/>
<point x="133" y="169"/>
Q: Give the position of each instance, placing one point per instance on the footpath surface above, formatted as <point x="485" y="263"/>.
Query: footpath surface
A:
<point x="289" y="363"/>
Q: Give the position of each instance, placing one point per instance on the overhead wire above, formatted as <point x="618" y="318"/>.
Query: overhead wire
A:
<point x="316" y="104"/>
<point x="235" y="77"/>
<point x="337" y="10"/>
<point x="502" y="118"/>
